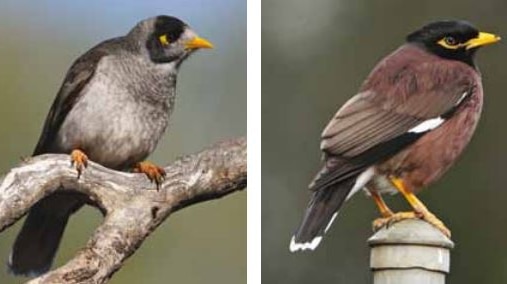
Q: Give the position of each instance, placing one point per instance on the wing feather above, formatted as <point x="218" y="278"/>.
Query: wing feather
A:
<point x="76" y="79"/>
<point x="374" y="125"/>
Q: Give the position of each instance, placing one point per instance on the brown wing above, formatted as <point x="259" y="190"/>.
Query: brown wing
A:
<point x="360" y="125"/>
<point x="376" y="124"/>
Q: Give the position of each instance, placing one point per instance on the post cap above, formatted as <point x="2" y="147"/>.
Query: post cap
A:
<point x="410" y="245"/>
<point x="411" y="232"/>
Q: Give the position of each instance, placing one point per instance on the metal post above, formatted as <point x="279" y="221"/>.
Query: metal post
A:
<point x="411" y="251"/>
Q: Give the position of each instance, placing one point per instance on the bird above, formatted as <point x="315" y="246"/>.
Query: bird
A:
<point x="112" y="108"/>
<point x="411" y="119"/>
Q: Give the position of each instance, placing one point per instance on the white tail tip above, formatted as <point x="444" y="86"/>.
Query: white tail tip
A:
<point x="305" y="246"/>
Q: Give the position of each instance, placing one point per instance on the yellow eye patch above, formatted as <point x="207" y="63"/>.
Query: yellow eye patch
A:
<point x="450" y="43"/>
<point x="163" y="40"/>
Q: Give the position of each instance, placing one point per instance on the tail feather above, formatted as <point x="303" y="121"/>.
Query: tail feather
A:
<point x="323" y="209"/>
<point x="320" y="213"/>
<point x="39" y="238"/>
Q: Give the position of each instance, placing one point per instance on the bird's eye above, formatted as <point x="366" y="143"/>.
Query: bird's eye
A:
<point x="164" y="40"/>
<point x="450" y="40"/>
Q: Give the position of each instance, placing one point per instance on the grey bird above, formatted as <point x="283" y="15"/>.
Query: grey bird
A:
<point x="113" y="107"/>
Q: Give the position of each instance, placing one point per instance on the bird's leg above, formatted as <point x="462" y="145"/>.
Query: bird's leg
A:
<point x="79" y="160"/>
<point x="382" y="206"/>
<point x="153" y="172"/>
<point x="384" y="210"/>
<point x="420" y="210"/>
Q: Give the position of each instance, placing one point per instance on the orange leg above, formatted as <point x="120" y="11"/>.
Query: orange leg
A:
<point x="79" y="160"/>
<point x="153" y="172"/>
<point x="384" y="210"/>
<point x="382" y="206"/>
<point x="420" y="210"/>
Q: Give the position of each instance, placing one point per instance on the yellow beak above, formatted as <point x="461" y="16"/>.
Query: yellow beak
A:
<point x="198" y="42"/>
<point x="482" y="39"/>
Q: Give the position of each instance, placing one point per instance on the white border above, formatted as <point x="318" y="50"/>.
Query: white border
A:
<point x="254" y="140"/>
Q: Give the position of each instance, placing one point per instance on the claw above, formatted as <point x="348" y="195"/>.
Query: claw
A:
<point x="79" y="160"/>
<point x="400" y="216"/>
<point x="433" y="220"/>
<point x="154" y="173"/>
<point x="379" y="223"/>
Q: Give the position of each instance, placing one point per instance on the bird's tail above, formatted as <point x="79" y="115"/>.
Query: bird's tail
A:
<point x="320" y="213"/>
<point x="37" y="242"/>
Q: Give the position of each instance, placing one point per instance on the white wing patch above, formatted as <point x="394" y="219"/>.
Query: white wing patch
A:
<point x="427" y="125"/>
<point x="433" y="123"/>
<point x="463" y="96"/>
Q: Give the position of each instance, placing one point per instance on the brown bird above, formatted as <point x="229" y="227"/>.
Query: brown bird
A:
<point x="412" y="118"/>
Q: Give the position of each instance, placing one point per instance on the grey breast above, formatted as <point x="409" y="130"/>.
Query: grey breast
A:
<point x="122" y="113"/>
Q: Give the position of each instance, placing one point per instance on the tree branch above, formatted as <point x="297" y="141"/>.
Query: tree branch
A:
<point x="133" y="208"/>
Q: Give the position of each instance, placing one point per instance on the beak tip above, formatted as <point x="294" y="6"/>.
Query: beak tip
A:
<point x="198" y="42"/>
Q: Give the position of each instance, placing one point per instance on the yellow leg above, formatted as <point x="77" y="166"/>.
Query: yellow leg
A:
<point x="416" y="204"/>
<point x="420" y="210"/>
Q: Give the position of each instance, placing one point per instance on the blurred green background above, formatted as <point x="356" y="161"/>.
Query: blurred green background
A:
<point x="38" y="42"/>
<point x="315" y="56"/>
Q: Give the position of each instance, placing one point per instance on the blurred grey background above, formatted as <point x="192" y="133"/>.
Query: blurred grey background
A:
<point x="38" y="42"/>
<point x="315" y="55"/>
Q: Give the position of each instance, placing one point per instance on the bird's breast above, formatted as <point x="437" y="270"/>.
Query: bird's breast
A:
<point x="115" y="123"/>
<point x="432" y="155"/>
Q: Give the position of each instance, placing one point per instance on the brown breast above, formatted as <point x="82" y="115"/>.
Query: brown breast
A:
<point x="433" y="154"/>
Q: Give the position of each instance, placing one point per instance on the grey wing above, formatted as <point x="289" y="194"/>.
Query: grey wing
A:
<point x="70" y="92"/>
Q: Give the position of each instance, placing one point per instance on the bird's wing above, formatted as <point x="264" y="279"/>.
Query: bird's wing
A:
<point x="78" y="76"/>
<point x="387" y="116"/>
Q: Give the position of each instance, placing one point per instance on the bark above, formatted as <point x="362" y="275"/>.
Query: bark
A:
<point x="133" y="208"/>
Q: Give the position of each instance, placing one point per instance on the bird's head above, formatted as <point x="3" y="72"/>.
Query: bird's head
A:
<point x="457" y="40"/>
<point x="167" y="39"/>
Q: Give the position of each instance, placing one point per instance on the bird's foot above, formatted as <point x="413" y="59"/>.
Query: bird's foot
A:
<point x="79" y="160"/>
<point x="154" y="173"/>
<point x="433" y="220"/>
<point x="380" y="223"/>
<point x="400" y="216"/>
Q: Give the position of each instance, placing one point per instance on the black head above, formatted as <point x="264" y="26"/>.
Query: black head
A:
<point x="457" y="40"/>
<point x="168" y="39"/>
